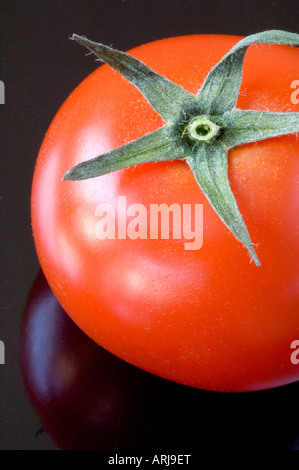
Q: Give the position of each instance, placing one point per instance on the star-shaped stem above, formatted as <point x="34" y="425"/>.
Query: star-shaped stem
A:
<point x="212" y="125"/>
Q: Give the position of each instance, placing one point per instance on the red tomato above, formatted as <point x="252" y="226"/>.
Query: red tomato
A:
<point x="88" y="399"/>
<point x="207" y="318"/>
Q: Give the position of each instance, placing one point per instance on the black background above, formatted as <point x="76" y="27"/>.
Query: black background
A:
<point x="40" y="67"/>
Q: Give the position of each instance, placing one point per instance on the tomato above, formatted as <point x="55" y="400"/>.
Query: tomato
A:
<point x="207" y="318"/>
<point x="86" y="398"/>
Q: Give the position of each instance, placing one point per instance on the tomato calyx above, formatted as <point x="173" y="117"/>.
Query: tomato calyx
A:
<point x="199" y="128"/>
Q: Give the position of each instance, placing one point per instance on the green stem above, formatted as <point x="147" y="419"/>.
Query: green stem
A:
<point x="199" y="128"/>
<point x="202" y="129"/>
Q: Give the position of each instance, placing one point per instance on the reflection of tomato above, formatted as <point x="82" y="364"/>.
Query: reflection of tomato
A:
<point x="206" y="318"/>
<point x="86" y="398"/>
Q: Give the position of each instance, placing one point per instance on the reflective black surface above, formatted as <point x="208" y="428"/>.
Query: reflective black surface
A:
<point x="121" y="407"/>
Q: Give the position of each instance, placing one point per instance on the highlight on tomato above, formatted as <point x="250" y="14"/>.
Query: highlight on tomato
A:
<point x="179" y="130"/>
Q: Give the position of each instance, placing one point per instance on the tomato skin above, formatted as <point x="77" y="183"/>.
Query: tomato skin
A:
<point x="207" y="318"/>
<point x="60" y="367"/>
<point x="87" y="399"/>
